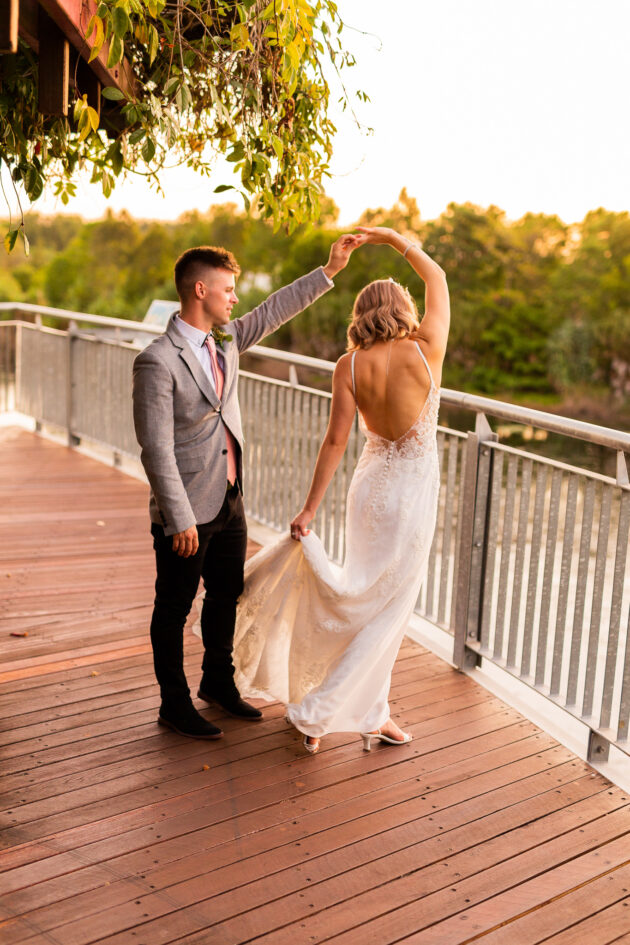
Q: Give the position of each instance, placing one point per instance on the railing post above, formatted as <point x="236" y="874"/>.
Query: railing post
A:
<point x="73" y="440"/>
<point x="472" y="543"/>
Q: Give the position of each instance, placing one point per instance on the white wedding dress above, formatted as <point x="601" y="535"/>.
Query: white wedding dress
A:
<point x="323" y="638"/>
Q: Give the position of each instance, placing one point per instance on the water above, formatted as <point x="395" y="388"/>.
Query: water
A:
<point x="564" y="449"/>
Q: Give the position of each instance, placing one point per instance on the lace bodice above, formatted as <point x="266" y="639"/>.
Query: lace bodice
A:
<point x="416" y="442"/>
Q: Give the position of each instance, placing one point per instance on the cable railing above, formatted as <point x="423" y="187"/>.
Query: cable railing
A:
<point x="529" y="563"/>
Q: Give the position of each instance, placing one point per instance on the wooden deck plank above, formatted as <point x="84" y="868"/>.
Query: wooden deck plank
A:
<point x="431" y="904"/>
<point x="238" y="796"/>
<point x="482" y="829"/>
<point x="263" y="881"/>
<point x="414" y="818"/>
<point x="141" y="850"/>
<point x="134" y="769"/>
<point x="548" y="921"/>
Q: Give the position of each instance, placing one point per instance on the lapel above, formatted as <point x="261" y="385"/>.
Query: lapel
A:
<point x="186" y="354"/>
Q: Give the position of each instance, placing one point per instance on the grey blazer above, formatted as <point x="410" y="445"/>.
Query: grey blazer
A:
<point x="179" y="418"/>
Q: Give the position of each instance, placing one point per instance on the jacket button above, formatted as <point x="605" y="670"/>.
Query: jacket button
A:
<point x="224" y="452"/>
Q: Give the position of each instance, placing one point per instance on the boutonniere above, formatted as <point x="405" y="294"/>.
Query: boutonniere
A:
<point x="220" y="336"/>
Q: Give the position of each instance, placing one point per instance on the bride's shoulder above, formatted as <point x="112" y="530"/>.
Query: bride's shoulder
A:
<point x="343" y="365"/>
<point x="342" y="375"/>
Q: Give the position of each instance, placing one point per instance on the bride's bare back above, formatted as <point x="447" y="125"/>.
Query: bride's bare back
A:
<point x="392" y="384"/>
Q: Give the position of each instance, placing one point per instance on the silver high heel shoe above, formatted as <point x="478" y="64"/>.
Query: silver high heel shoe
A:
<point x="311" y="749"/>
<point x="379" y="737"/>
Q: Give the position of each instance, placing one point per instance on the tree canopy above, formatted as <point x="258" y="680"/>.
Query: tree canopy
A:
<point x="541" y="309"/>
<point x="245" y="79"/>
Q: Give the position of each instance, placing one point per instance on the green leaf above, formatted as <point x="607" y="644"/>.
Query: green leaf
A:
<point x="84" y="124"/>
<point x="154" y="43"/>
<point x="93" y="118"/>
<point x="9" y="240"/>
<point x="27" y="245"/>
<point x="36" y="190"/>
<point x="148" y="150"/>
<point x="222" y="188"/>
<point x="95" y="24"/>
<point x="116" y="50"/>
<point x="278" y="147"/>
<point x="237" y="153"/>
<point x="115" y="157"/>
<point x="112" y="93"/>
<point x="120" y="21"/>
<point x="30" y="180"/>
<point x="239" y="36"/>
<point x="172" y="84"/>
<point x="96" y="49"/>
<point x="136" y="135"/>
<point x="183" y="98"/>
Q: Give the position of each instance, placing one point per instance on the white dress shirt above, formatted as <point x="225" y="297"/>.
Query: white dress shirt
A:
<point x="197" y="342"/>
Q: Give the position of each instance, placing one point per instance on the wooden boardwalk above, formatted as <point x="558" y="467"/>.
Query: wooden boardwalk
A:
<point x="116" y="831"/>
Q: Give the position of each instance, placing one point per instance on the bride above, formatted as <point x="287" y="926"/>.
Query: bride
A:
<point x="323" y="638"/>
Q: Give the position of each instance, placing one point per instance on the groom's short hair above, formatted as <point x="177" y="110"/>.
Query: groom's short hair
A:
<point x="191" y="264"/>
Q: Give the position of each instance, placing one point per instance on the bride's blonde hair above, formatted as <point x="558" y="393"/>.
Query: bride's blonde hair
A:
<point x="383" y="310"/>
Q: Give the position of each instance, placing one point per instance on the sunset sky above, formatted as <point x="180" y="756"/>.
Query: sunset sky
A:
<point x="523" y="105"/>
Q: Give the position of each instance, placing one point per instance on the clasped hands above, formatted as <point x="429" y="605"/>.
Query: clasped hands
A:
<point x="343" y="247"/>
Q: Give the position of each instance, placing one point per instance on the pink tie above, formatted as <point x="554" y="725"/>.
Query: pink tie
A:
<point x="219" y="379"/>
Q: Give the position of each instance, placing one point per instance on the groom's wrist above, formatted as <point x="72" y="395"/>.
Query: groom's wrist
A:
<point x="330" y="272"/>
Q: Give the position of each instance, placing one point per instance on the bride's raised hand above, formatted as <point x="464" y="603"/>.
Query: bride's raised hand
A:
<point x="377" y="234"/>
<point x="299" y="523"/>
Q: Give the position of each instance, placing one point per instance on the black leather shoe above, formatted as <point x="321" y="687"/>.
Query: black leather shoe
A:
<point x="188" y="722"/>
<point x="233" y="705"/>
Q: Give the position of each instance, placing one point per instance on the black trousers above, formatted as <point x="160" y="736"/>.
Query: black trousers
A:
<point x="219" y="562"/>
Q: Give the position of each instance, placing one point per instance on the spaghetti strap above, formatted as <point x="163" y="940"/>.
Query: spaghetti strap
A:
<point x="426" y="363"/>
<point x="354" y="389"/>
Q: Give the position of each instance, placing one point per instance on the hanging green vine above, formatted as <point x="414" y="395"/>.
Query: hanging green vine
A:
<point x="211" y="77"/>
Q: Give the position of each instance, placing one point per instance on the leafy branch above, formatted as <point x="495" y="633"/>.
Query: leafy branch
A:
<point x="244" y="79"/>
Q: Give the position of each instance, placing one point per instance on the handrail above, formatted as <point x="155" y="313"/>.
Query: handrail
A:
<point x="578" y="429"/>
<point x="99" y="321"/>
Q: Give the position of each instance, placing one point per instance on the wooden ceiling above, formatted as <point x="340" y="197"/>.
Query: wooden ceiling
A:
<point x="55" y="31"/>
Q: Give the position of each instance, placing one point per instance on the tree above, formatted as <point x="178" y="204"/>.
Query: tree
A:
<point x="239" y="78"/>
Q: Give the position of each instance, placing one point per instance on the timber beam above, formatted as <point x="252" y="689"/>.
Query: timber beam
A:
<point x="54" y="65"/>
<point x="21" y="18"/>
<point x="72" y="17"/>
<point x="9" y="16"/>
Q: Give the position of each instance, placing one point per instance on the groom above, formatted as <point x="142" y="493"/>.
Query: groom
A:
<point x="188" y="424"/>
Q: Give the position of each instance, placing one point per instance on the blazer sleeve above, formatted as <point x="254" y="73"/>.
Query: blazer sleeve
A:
<point x="279" y="308"/>
<point x="153" y="421"/>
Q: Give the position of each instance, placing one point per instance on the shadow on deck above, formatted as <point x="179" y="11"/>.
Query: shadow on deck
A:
<point x="115" y="831"/>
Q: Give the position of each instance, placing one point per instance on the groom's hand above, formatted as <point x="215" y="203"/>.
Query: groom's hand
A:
<point x="340" y="253"/>
<point x="186" y="543"/>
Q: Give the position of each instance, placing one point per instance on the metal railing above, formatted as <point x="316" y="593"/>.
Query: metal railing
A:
<point x="529" y="562"/>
